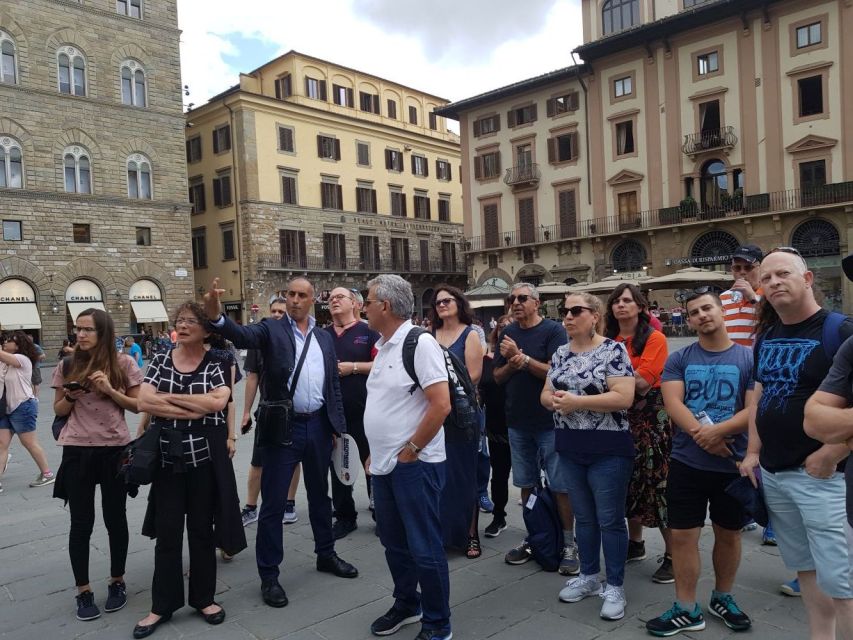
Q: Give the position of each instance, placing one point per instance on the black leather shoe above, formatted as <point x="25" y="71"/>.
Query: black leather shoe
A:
<point x="273" y="594"/>
<point x="145" y="630"/>
<point x="342" y="528"/>
<point x="333" y="564"/>
<point x="213" y="618"/>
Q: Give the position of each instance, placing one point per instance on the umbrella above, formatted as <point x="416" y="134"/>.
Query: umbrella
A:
<point x="553" y="288"/>
<point x="689" y="275"/>
<point x="607" y="284"/>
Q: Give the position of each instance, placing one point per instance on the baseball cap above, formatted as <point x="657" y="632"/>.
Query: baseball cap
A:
<point x="847" y="265"/>
<point x="749" y="252"/>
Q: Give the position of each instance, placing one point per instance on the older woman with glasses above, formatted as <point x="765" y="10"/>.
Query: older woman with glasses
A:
<point x="589" y="387"/>
<point x="451" y="317"/>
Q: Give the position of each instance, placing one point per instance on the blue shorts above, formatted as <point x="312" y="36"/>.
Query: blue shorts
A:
<point x="22" y="419"/>
<point x="808" y="516"/>
<point x="532" y="451"/>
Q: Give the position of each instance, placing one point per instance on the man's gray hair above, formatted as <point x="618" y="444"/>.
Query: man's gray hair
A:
<point x="397" y="292"/>
<point x="534" y="293"/>
<point x="357" y="295"/>
<point x="278" y="300"/>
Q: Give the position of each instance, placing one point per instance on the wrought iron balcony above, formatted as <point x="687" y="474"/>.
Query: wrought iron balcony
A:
<point x="523" y="174"/>
<point x="709" y="140"/>
<point x="278" y="262"/>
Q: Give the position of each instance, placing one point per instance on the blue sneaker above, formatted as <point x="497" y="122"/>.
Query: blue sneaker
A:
<point x="486" y="505"/>
<point x="675" y="621"/>
<point x="768" y="538"/>
<point x="791" y="588"/>
<point x="726" y="609"/>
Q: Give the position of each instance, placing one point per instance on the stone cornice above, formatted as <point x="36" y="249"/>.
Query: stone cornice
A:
<point x="31" y="194"/>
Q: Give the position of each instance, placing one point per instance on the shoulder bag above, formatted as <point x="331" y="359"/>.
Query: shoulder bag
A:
<point x="275" y="417"/>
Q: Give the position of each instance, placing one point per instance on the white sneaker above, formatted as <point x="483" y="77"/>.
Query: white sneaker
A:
<point x="579" y="588"/>
<point x="614" y="603"/>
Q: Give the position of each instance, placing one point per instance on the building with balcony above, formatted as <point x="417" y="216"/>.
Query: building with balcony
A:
<point x="310" y="168"/>
<point x="92" y="172"/>
<point x="694" y="127"/>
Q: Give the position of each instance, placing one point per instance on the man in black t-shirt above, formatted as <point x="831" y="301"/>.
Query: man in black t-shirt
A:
<point x="355" y="349"/>
<point x="804" y="491"/>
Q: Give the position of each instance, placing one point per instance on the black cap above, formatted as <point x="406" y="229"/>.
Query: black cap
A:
<point x="749" y="252"/>
<point x="847" y="265"/>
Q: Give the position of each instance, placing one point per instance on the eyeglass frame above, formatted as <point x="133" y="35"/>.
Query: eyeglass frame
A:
<point x="511" y="298"/>
<point x="565" y="311"/>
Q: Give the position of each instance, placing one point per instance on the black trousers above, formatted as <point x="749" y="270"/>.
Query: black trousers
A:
<point x="83" y="469"/>
<point x="189" y="495"/>
<point x="343" y="505"/>
<point x="501" y="461"/>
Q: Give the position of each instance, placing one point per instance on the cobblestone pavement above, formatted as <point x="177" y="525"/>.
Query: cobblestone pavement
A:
<point x="489" y="598"/>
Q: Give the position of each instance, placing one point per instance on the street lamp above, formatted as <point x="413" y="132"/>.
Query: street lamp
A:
<point x="54" y="304"/>
<point x="119" y="299"/>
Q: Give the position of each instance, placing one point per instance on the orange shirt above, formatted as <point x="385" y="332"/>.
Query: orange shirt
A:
<point x="740" y="317"/>
<point x="650" y="363"/>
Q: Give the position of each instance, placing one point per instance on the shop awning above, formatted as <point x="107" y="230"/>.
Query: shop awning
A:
<point x="19" y="316"/>
<point x="489" y="302"/>
<point x="74" y="308"/>
<point x="149" y="311"/>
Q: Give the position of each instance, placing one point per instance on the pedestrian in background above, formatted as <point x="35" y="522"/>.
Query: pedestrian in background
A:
<point x="134" y="351"/>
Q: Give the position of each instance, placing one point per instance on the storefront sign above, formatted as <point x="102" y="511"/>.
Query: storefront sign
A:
<point x="16" y="291"/>
<point x="701" y="260"/>
<point x="232" y="306"/>
<point x="145" y="290"/>
<point x="83" y="291"/>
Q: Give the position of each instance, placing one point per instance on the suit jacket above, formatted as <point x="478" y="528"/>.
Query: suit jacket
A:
<point x="275" y="339"/>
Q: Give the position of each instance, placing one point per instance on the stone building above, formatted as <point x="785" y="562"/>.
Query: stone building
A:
<point x="311" y="168"/>
<point x="686" y="128"/>
<point x="93" y="193"/>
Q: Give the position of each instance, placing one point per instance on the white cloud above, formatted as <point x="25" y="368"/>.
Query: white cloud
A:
<point x="442" y="51"/>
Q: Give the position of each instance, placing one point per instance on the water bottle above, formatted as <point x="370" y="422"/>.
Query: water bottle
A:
<point x="737" y="296"/>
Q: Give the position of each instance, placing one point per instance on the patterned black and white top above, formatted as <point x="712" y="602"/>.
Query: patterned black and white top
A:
<point x="164" y="377"/>
<point x="586" y="374"/>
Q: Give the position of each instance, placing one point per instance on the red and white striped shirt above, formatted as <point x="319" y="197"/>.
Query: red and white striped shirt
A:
<point x="740" y="317"/>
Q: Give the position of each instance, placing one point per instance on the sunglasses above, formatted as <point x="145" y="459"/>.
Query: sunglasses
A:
<point x="791" y="250"/>
<point x="522" y="298"/>
<point x="444" y="302"/>
<point x="574" y="311"/>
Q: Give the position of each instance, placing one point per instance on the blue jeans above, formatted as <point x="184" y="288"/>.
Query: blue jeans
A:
<point x="408" y="519"/>
<point x="532" y="451"/>
<point x="598" y="488"/>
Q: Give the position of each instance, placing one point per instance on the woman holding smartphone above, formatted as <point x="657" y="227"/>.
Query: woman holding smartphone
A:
<point x="94" y="387"/>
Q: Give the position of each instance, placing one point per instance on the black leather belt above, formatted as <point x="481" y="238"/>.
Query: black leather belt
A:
<point x="307" y="416"/>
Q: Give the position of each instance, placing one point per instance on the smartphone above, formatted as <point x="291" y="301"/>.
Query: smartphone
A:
<point x="73" y="385"/>
<point x="246" y="428"/>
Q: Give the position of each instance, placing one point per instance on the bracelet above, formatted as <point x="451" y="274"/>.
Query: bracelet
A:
<point x="413" y="447"/>
<point x="354" y="368"/>
<point x="68" y="399"/>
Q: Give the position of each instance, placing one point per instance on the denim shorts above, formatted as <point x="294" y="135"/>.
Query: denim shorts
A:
<point x="808" y="516"/>
<point x="532" y="451"/>
<point x="22" y="419"/>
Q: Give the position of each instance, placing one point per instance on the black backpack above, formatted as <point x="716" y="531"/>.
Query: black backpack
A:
<point x="464" y="404"/>
<point x="544" y="528"/>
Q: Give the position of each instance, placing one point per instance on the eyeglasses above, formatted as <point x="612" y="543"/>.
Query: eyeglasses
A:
<point x="340" y="296"/>
<point x="522" y="298"/>
<point x="189" y="322"/>
<point x="791" y="250"/>
<point x="574" y="311"/>
<point x="368" y="301"/>
<point x="86" y="330"/>
<point x="444" y="302"/>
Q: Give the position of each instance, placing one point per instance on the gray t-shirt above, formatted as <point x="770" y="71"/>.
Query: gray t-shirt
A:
<point x="716" y="383"/>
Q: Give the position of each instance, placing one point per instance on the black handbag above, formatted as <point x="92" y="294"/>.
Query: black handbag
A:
<point x="59" y="421"/>
<point x="275" y="417"/>
<point x="141" y="457"/>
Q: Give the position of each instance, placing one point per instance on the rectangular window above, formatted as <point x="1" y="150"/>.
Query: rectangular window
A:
<point x="522" y="115"/>
<point x="228" y="252"/>
<point x="563" y="148"/>
<point x="315" y="89"/>
<point x="489" y="124"/>
<point x="368" y="102"/>
<point x="288" y="189"/>
<point x="491" y="227"/>
<point x="808" y="35"/>
<point x="82" y="233"/>
<point x="197" y="196"/>
<point x="292" y="248"/>
<point x="526" y="221"/>
<point x="392" y="109"/>
<point x="812" y="175"/>
<point x="627" y="203"/>
<point x="328" y="148"/>
<point x="365" y="199"/>
<point x="400" y="254"/>
<point x="194" y="149"/>
<point x="222" y="190"/>
<point x="811" y="95"/>
<point x="707" y="63"/>
<point x="423" y="246"/>
<point x="342" y="96"/>
<point x="567" y="213"/>
<point x="487" y="165"/>
<point x="334" y="250"/>
<point x="566" y="103"/>
<point x="422" y="206"/>
<point x="624" y="138"/>
<point x="143" y="236"/>
<point x="362" y="152"/>
<point x="12" y="230"/>
<point x="398" y="203"/>
<point x="448" y="256"/>
<point x="368" y="252"/>
<point x="493" y="261"/>
<point x="623" y="86"/>
<point x="443" y="210"/>
<point x="222" y="138"/>
<point x="442" y="170"/>
<point x="420" y="166"/>
<point x="393" y="160"/>
<point x="199" y="240"/>
<point x="283" y="87"/>
<point x="285" y="139"/>
<point x="433" y="121"/>
<point x="331" y="195"/>
<point x="413" y="115"/>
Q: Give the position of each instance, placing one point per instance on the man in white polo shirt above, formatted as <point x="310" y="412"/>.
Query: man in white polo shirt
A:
<point x="407" y="460"/>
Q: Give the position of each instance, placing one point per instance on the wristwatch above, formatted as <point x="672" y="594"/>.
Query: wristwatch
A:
<point x="413" y="447"/>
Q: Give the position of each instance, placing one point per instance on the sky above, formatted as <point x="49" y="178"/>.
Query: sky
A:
<point x="454" y="49"/>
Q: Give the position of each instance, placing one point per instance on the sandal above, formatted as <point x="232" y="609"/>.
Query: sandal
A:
<point x="473" y="552"/>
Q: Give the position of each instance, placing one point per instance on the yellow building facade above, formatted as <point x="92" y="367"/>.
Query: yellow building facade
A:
<point x="310" y="168"/>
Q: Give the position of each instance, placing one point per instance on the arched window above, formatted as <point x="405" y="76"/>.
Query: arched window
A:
<point x="72" y="72"/>
<point x="8" y="59"/>
<point x="714" y="184"/>
<point x="78" y="170"/>
<point x="617" y="15"/>
<point x="132" y="8"/>
<point x="138" y="177"/>
<point x="11" y="164"/>
<point x="133" y="89"/>
<point x="714" y="247"/>
<point x="628" y="255"/>
<point x="815" y="238"/>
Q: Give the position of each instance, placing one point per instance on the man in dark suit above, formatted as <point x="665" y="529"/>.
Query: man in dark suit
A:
<point x="318" y="418"/>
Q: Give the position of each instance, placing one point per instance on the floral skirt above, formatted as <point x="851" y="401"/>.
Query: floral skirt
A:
<point x="652" y="432"/>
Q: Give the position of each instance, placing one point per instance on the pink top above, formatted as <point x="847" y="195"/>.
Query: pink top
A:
<point x="95" y="420"/>
<point x="17" y="382"/>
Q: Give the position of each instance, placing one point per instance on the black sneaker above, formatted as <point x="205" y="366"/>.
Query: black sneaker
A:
<point x="675" y="621"/>
<point x="117" y="596"/>
<point x="664" y="574"/>
<point x="726" y="609"/>
<point x="342" y="528"/>
<point x="520" y="554"/>
<point x="392" y="621"/>
<point x="86" y="607"/>
<point x="434" y="634"/>
<point x="636" y="551"/>
<point x="493" y="530"/>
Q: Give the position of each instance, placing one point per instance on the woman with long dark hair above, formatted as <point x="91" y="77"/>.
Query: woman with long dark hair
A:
<point x="451" y="318"/>
<point x="19" y="408"/>
<point x="94" y="386"/>
<point x="627" y="321"/>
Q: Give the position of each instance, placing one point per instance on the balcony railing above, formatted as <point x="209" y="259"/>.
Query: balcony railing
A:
<point x="276" y="262"/>
<point x="709" y="140"/>
<point x="522" y="174"/>
<point x="687" y="212"/>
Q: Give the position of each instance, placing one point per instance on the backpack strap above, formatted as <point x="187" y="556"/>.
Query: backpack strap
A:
<point x="410" y="343"/>
<point x="832" y="333"/>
